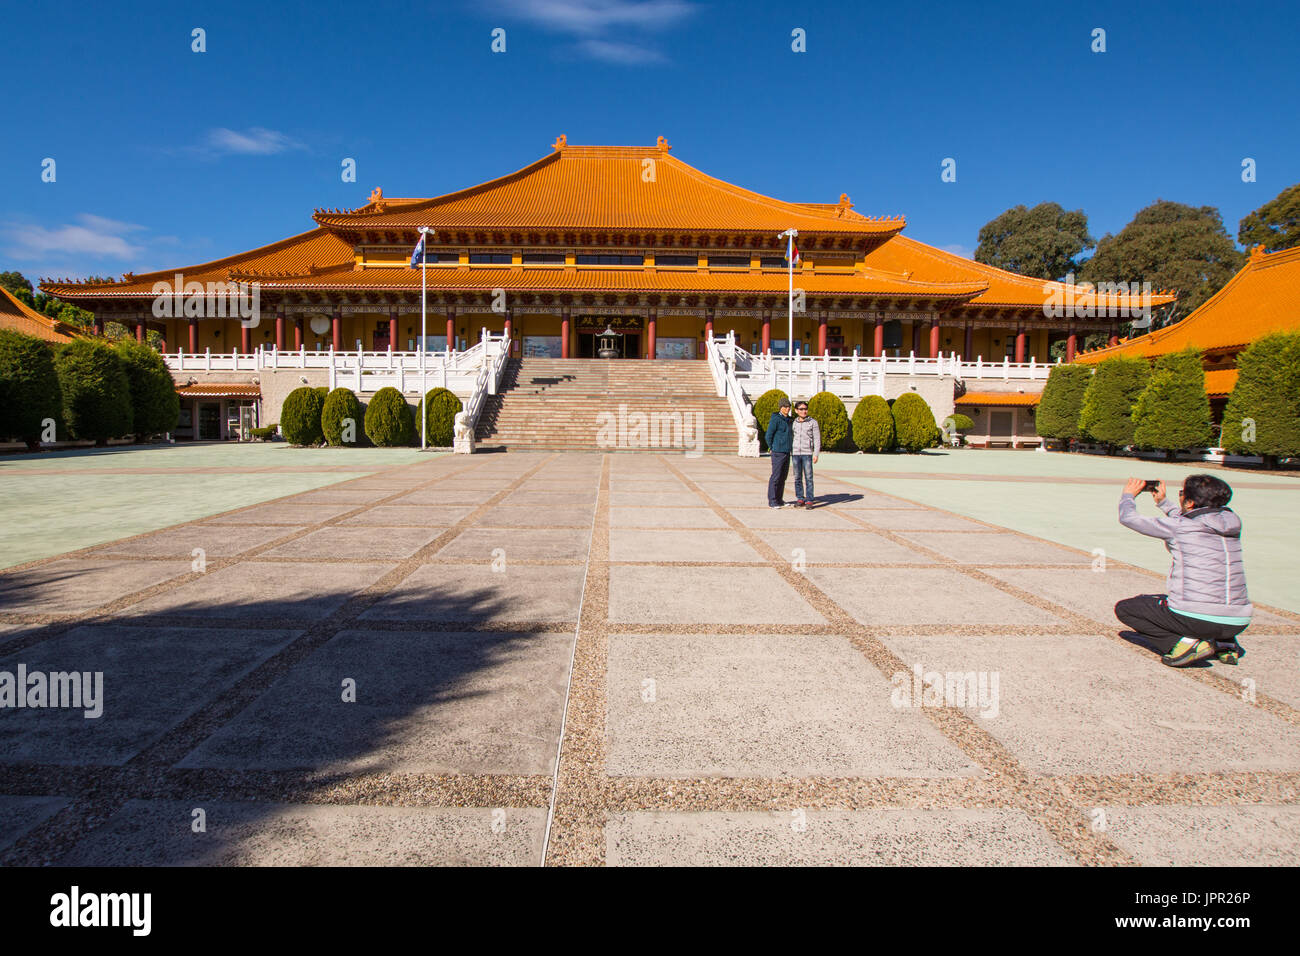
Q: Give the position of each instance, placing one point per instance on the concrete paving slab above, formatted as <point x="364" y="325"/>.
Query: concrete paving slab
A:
<point x="677" y="595"/>
<point x="903" y="519"/>
<point x="18" y="815"/>
<point x="447" y="495"/>
<point x="79" y="584"/>
<point x="1084" y="704"/>
<point x="936" y="596"/>
<point x="361" y="543"/>
<point x="217" y="541"/>
<point x="285" y="514"/>
<point x="265" y="590"/>
<point x="153" y="678"/>
<point x="426" y="702"/>
<point x="655" y="499"/>
<point x="476" y="593"/>
<point x="784" y="519"/>
<point x="617" y="483"/>
<point x="1249" y="835"/>
<point x="665" y="518"/>
<point x="344" y="496"/>
<point x="409" y="516"/>
<point x="1271" y="666"/>
<point x="159" y="833"/>
<point x="579" y="497"/>
<point x="842" y="547"/>
<point x="628" y="544"/>
<point x="982" y="547"/>
<point x="792" y="706"/>
<point x="522" y="544"/>
<point x="531" y="516"/>
<point x="797" y="837"/>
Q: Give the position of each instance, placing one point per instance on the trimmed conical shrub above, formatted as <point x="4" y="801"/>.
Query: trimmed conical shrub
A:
<point x="29" y="388"/>
<point x="443" y="406"/>
<point x="155" y="406"/>
<point x="1263" y="412"/>
<point x="341" y="419"/>
<point x="300" y="416"/>
<point x="1107" y="414"/>
<point x="767" y="405"/>
<point x="96" y="392"/>
<point x="914" y="425"/>
<point x="388" y="419"/>
<point x="1062" y="401"/>
<point x="1173" y="411"/>
<point x="832" y="419"/>
<point x="873" y="425"/>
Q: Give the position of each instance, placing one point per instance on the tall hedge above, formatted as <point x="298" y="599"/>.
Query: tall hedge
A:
<point x="1173" y="411"/>
<point x="96" y="392"/>
<point x="768" y="404"/>
<point x="1107" y="414"/>
<point x="443" y="406"/>
<point x="832" y="418"/>
<point x="29" y="387"/>
<point x="155" y="406"/>
<point x="1263" y="412"/>
<point x="873" y="425"/>
<point x="1062" y="401"/>
<point x="340" y="406"/>
<point x="388" y="419"/>
<point x="300" y="417"/>
<point x="914" y="423"/>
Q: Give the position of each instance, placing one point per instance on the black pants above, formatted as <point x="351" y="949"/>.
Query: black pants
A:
<point x="1149" y="615"/>
<point x="776" y="484"/>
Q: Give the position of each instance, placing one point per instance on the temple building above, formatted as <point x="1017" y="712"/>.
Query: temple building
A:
<point x="17" y="315"/>
<point x="594" y="237"/>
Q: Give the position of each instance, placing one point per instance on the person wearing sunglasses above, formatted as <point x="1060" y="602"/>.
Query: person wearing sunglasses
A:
<point x="806" y="447"/>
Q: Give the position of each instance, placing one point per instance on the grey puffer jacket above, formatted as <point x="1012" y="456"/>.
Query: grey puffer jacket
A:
<point x="1207" y="575"/>
<point x="807" y="436"/>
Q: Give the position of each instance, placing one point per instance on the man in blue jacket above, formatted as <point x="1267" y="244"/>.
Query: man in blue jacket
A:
<point x="780" y="440"/>
<point x="1207" y="605"/>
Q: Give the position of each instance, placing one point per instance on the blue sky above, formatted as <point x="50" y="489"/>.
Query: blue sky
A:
<point x="166" y="157"/>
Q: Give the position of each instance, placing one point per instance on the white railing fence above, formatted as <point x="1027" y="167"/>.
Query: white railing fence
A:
<point x="722" y="355"/>
<point x="496" y="353"/>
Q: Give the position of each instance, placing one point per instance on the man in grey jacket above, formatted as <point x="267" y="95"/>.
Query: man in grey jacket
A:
<point x="806" y="446"/>
<point x="1207" y="605"/>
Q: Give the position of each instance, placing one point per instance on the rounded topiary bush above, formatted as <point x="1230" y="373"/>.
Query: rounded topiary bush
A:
<point x="443" y="406"/>
<point x="96" y="392"/>
<point x="914" y="423"/>
<point x="155" y="406"/>
<point x="767" y="405"/>
<point x="873" y="425"/>
<point x="29" y="387"/>
<point x="832" y="419"/>
<point x="388" y="419"/>
<point x="300" y="416"/>
<point x="341" y="420"/>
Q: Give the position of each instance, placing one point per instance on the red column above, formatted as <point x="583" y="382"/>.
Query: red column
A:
<point x="650" y="334"/>
<point x="878" y="340"/>
<point x="708" y="323"/>
<point x="194" y="333"/>
<point x="1071" y="345"/>
<point x="564" y="332"/>
<point x="99" y="325"/>
<point x="141" y="331"/>
<point x="337" y="322"/>
<point x="821" y="334"/>
<point x="279" y="329"/>
<point x="510" y="324"/>
<point x="298" y="331"/>
<point x="969" y="344"/>
<point x="767" y="331"/>
<point x="392" y="329"/>
<point x="162" y="345"/>
<point x="1020" y="345"/>
<point x="451" y="329"/>
<point x="934" y="340"/>
<point x="245" y="339"/>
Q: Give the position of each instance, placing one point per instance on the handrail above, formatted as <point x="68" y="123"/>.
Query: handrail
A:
<point x="722" y="367"/>
<point x="495" y="350"/>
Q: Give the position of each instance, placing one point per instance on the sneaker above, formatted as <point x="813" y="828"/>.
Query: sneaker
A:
<point x="787" y="504"/>
<point x="801" y="503"/>
<point x="1188" y="651"/>
<point x="1231" y="655"/>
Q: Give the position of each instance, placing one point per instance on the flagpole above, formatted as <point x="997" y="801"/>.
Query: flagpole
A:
<point x="424" y="388"/>
<point x="789" y="263"/>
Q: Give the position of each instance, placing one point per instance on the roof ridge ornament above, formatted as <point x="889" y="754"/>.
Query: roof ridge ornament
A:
<point x="561" y="141"/>
<point x="1257" y="252"/>
<point x="376" y="194"/>
<point x="662" y="145"/>
<point x="843" y="206"/>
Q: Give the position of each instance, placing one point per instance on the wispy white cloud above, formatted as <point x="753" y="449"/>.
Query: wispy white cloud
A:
<point x="613" y="31"/>
<point x="958" y="249"/>
<point x="255" y="141"/>
<point x="90" y="235"/>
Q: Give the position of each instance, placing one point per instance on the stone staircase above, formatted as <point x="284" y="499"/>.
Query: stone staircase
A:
<point x="607" y="405"/>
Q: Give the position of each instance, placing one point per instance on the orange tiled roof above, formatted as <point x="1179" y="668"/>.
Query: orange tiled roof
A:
<point x="219" y="390"/>
<point x="1263" y="297"/>
<point x="605" y="187"/>
<point x="16" y="315"/>
<point x="999" y="398"/>
<point x="918" y="261"/>
<point x="1220" y="382"/>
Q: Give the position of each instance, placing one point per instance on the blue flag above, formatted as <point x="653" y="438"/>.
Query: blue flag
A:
<point x="418" y="254"/>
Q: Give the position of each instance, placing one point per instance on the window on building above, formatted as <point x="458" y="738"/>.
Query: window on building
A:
<point x="773" y="262"/>
<point x="729" y="262"/>
<point x="676" y="260"/>
<point x="610" y="260"/>
<point x="543" y="258"/>
<point x="489" y="258"/>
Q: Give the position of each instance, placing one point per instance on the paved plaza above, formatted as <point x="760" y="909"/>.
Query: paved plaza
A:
<point x="628" y="659"/>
